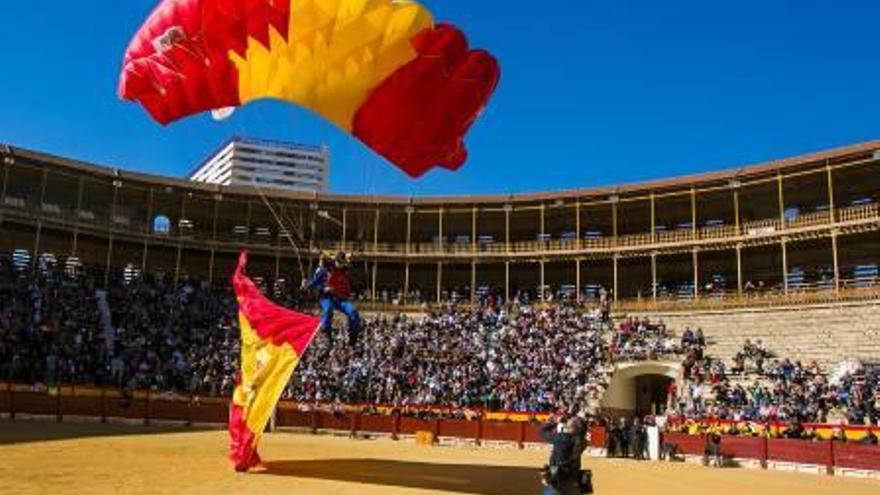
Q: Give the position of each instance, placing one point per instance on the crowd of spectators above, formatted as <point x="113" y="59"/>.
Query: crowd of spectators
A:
<point x="514" y="358"/>
<point x="753" y="389"/>
<point x="169" y="338"/>
<point x="640" y="339"/>
<point x="183" y="338"/>
<point x="49" y="327"/>
<point x="146" y="332"/>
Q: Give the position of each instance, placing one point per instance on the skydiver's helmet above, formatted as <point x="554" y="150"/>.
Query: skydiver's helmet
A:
<point x="327" y="258"/>
<point x="341" y="260"/>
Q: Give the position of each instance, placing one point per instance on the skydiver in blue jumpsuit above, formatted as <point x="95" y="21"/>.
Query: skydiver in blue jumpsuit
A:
<point x="331" y="281"/>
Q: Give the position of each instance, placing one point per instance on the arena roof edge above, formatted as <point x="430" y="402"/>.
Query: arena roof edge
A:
<point x="658" y="185"/>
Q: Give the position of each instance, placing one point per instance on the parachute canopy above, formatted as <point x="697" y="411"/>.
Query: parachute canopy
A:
<point x="379" y="69"/>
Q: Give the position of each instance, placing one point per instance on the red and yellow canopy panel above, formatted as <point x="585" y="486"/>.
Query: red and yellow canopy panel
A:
<point x="379" y="69"/>
<point x="272" y="341"/>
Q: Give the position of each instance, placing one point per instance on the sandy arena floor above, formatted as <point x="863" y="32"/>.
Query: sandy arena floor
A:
<point x="56" y="458"/>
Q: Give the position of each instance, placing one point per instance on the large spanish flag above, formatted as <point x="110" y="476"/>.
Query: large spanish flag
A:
<point x="273" y="339"/>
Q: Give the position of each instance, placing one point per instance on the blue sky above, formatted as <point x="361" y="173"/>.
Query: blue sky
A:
<point x="593" y="92"/>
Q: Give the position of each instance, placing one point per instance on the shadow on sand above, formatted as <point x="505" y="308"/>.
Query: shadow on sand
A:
<point x="14" y="432"/>
<point x="462" y="478"/>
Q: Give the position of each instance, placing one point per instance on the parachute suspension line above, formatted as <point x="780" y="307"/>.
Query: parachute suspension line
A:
<point x="283" y="227"/>
<point x="281" y="224"/>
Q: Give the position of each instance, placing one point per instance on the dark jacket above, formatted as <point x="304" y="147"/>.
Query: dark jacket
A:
<point x="567" y="449"/>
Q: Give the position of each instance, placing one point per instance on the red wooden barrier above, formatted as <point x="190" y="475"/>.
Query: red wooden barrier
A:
<point x="533" y="433"/>
<point x="508" y="432"/>
<point x="456" y="428"/>
<point x="170" y="409"/>
<point x="799" y="451"/>
<point x="5" y="400"/>
<point x="743" y="447"/>
<point x="377" y="424"/>
<point x="75" y="405"/>
<point x="293" y="418"/>
<point x="7" y="404"/>
<point x="856" y="456"/>
<point x="687" y="444"/>
<point x="330" y="421"/>
<point x="209" y="411"/>
<point x="127" y="408"/>
<point x="395" y="425"/>
<point x="35" y="403"/>
<point x="409" y="426"/>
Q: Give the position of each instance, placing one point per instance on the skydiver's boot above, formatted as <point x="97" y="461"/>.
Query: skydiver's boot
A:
<point x="354" y="333"/>
<point x="328" y="341"/>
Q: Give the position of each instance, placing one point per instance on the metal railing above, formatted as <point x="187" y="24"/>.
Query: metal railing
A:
<point x="867" y="213"/>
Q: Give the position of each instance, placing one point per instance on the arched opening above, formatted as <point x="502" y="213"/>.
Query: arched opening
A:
<point x="161" y="225"/>
<point x="640" y="388"/>
<point x="651" y="394"/>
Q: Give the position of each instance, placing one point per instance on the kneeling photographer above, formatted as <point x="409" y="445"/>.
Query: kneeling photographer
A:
<point x="564" y="476"/>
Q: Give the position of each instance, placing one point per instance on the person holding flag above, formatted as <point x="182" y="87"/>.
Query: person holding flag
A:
<point x="273" y="340"/>
<point x="332" y="282"/>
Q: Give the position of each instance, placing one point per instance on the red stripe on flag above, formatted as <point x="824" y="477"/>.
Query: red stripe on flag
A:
<point x="270" y="321"/>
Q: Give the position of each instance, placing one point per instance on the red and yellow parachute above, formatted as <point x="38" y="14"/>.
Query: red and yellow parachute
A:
<point x="379" y="69"/>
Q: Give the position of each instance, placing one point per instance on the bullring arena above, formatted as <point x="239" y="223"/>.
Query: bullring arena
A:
<point x="783" y="253"/>
<point x="105" y="459"/>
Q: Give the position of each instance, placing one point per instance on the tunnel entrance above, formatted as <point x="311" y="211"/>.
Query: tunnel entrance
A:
<point x="651" y="394"/>
<point x="639" y="388"/>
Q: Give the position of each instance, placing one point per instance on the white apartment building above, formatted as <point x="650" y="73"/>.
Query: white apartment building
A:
<point x="271" y="164"/>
